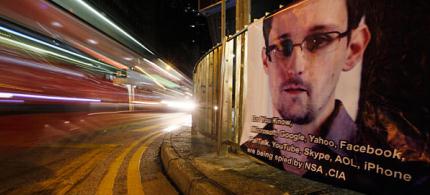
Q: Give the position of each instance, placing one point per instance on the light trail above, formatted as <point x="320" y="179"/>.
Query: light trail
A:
<point x="11" y="101"/>
<point x="112" y="24"/>
<point x="50" y="45"/>
<point x="150" y="76"/>
<point x="161" y="69"/>
<point x="146" y="102"/>
<point x="43" y="51"/>
<point x="173" y="69"/>
<point x="19" y="95"/>
<point x="37" y="65"/>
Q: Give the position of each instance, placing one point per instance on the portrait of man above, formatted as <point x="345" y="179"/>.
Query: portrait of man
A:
<point x="307" y="46"/>
<point x="308" y="131"/>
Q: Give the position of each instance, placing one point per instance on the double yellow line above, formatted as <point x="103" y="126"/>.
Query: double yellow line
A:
<point x="134" y="183"/>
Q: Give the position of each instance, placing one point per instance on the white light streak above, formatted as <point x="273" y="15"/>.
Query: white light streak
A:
<point x="171" y="128"/>
<point x="112" y="24"/>
<point x="39" y="66"/>
<point x="6" y="95"/>
<point x="56" y="24"/>
<point x="10" y="95"/>
<point x="92" y="41"/>
<point x="49" y="45"/>
<point x="161" y="69"/>
<point x="173" y="69"/>
<point x="146" y="102"/>
<point x="183" y="105"/>
<point x="153" y="79"/>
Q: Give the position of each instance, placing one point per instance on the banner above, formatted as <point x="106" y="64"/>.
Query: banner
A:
<point x="337" y="91"/>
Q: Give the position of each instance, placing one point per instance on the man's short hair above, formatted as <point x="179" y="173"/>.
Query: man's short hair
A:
<point x="355" y="9"/>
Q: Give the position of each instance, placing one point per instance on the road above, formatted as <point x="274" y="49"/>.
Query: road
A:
<point x="101" y="153"/>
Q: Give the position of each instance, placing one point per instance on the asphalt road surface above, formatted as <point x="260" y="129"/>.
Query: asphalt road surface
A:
<point x="85" y="153"/>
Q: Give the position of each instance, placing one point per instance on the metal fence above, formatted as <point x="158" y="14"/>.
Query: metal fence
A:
<point x="219" y="93"/>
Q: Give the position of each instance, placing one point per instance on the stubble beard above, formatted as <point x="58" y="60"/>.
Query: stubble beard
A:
<point x="297" y="110"/>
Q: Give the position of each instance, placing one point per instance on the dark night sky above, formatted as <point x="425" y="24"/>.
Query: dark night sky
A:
<point x="172" y="28"/>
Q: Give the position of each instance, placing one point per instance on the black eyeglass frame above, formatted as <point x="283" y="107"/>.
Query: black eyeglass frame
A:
<point x="290" y="46"/>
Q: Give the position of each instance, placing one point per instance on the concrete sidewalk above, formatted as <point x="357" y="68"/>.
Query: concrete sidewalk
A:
<point x="198" y="170"/>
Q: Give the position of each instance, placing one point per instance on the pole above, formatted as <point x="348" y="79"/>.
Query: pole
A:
<point x="220" y="148"/>
<point x="242" y="14"/>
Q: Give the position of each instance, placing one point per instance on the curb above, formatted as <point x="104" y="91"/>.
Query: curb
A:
<point x="185" y="176"/>
<point x="195" y="172"/>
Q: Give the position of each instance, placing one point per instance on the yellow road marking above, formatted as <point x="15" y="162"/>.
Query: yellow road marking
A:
<point x="79" y="174"/>
<point x="107" y="183"/>
<point x="59" y="176"/>
<point x="82" y="146"/>
<point x="148" y="127"/>
<point x="76" y="170"/>
<point x="134" y="182"/>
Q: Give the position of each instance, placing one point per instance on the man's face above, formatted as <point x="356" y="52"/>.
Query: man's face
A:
<point x="303" y="84"/>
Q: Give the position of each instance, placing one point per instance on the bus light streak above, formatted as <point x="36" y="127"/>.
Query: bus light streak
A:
<point x="11" y="101"/>
<point x="174" y="70"/>
<point x="161" y="69"/>
<point x="50" y="45"/>
<point x="43" y="51"/>
<point x="37" y="65"/>
<point x="183" y="105"/>
<point x="11" y="95"/>
<point x="146" y="102"/>
<point x="6" y="95"/>
<point x="153" y="79"/>
<point x="113" y="24"/>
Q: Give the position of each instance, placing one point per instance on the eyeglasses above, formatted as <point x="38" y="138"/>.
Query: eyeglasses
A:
<point x="314" y="43"/>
